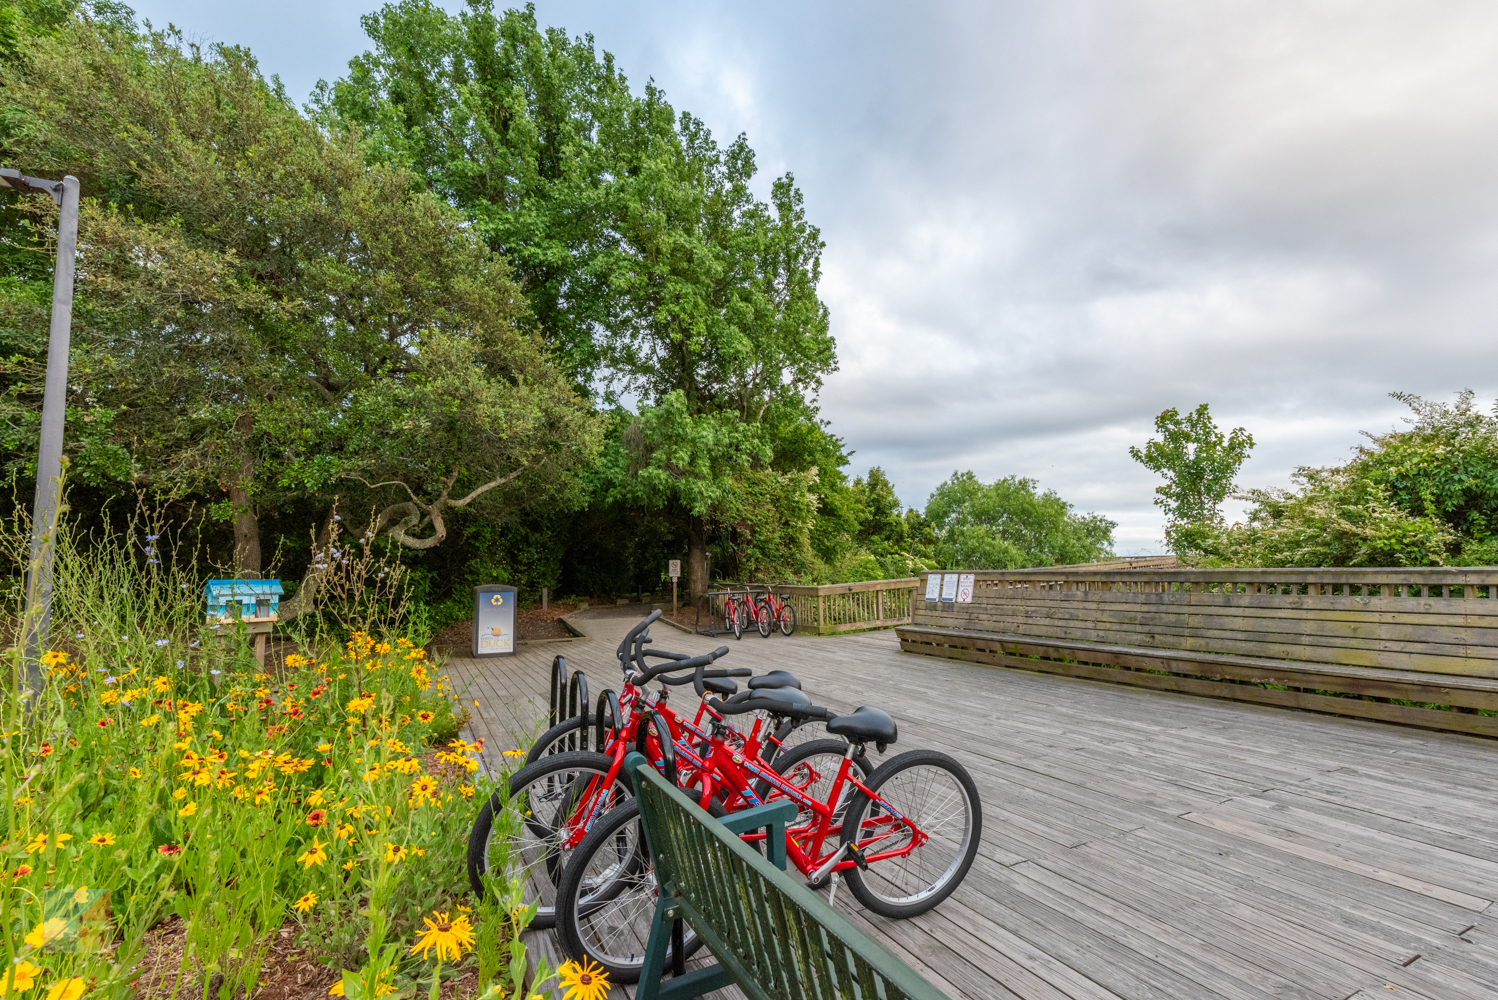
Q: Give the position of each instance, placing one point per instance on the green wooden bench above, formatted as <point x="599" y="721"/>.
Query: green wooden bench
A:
<point x="772" y="937"/>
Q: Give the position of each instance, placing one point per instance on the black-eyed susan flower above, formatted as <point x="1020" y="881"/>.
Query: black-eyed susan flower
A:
<point x="314" y="855"/>
<point x="583" y="982"/>
<point x="101" y="840"/>
<point x="307" y="902"/>
<point x="449" y="938"/>
<point x="67" y="989"/>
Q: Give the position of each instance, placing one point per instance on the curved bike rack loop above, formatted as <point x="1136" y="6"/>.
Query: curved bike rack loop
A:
<point x="558" y="687"/>
<point x="577" y="704"/>
<point x="663" y="739"/>
<point x="608" y="702"/>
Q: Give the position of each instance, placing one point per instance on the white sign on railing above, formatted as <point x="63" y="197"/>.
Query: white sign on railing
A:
<point x="933" y="587"/>
<point x="965" y="588"/>
<point x="948" y="587"/>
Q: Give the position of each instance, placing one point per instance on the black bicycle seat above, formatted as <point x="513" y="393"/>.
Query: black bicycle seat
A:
<point x="775" y="679"/>
<point x="719" y="685"/>
<point x="863" y="725"/>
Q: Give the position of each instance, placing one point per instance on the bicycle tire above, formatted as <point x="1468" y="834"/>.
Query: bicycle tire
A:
<point x="787" y="620"/>
<point x="877" y="897"/>
<point x="736" y="620"/>
<point x="762" y="618"/>
<point x="547" y="863"/>
<point x="588" y="890"/>
<point x="741" y="623"/>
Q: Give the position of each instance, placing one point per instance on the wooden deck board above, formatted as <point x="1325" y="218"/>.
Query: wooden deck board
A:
<point x="1140" y="844"/>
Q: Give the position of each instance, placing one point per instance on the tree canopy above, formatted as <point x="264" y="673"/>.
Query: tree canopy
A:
<point x="1198" y="462"/>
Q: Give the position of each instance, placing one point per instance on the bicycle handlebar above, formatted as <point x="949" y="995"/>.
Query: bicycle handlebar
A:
<point x="739" y="672"/>
<point x="692" y="663"/>
<point x="629" y="637"/>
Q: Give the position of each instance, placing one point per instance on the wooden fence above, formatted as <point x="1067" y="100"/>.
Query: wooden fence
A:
<point x="833" y="607"/>
<point x="1351" y="641"/>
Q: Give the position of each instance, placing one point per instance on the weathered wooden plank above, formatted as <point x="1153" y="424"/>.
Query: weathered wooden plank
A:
<point x="1271" y="646"/>
<point x="1358" y="708"/>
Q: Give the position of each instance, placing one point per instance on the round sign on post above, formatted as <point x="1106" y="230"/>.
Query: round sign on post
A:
<point x="494" y="620"/>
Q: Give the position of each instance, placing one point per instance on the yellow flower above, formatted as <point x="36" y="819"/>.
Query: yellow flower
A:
<point x="450" y="938"/>
<point x="515" y="753"/>
<point x="180" y="793"/>
<point x="314" y="855"/>
<point x="19" y="977"/>
<point x="348" y="866"/>
<point x="163" y="684"/>
<point x="135" y="772"/>
<point x="583" y="982"/>
<point x="188" y="810"/>
<point x="306" y="903"/>
<point x="423" y="789"/>
<point x="102" y="839"/>
<point x="345" y="831"/>
<point x="336" y="990"/>
<point x="45" y="932"/>
<point x="38" y="843"/>
<point x="68" y="989"/>
<point x="394" y="855"/>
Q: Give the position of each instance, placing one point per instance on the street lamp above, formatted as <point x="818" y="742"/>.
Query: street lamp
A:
<point x="54" y="410"/>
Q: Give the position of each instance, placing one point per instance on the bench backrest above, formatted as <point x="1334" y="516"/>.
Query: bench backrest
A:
<point x="775" y="937"/>
<point x="1432" y="620"/>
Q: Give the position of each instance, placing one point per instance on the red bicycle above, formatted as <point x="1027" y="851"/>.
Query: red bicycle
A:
<point x="903" y="836"/>
<point x="774" y="611"/>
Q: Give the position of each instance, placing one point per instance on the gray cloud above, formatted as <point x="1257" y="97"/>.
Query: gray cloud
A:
<point x="1048" y="221"/>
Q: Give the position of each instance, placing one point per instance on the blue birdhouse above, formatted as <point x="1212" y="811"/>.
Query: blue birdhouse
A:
<point x="247" y="600"/>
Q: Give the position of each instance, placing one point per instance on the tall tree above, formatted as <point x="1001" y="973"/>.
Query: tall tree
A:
<point x="262" y="312"/>
<point x="1198" y="462"/>
<point x="645" y="255"/>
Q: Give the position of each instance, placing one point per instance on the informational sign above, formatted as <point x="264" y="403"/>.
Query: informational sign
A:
<point x="674" y="569"/>
<point x="965" y="588"/>
<point x="933" y="587"/>
<point x="494" y="620"/>
<point x="949" y="587"/>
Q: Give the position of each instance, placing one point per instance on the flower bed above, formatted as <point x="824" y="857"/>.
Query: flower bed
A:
<point x="152" y="780"/>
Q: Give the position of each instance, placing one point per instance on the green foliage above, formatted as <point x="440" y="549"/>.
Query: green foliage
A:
<point x="261" y="312"/>
<point x="1424" y="496"/>
<point x="1337" y="517"/>
<point x="1008" y="525"/>
<point x="1198" y="462"/>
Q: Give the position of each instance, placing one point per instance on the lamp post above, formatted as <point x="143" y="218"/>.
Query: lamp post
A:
<point x="54" y="411"/>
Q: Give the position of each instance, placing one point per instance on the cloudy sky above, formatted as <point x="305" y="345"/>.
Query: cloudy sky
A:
<point x="1048" y="221"/>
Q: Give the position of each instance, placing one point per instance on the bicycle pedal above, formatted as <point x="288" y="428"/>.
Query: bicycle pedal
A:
<point x="858" y="858"/>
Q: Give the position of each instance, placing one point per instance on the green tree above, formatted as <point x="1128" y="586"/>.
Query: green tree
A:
<point x="881" y="527"/>
<point x="264" y="315"/>
<point x="1198" y="462"/>
<point x="1006" y="524"/>
<point x="647" y="260"/>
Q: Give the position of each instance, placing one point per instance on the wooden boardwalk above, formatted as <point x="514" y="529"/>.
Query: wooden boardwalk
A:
<point x="1139" y="844"/>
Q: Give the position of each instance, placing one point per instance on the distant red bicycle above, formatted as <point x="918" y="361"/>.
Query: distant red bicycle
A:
<point x="774" y="611"/>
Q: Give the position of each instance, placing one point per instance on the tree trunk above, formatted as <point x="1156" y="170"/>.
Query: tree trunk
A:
<point x="246" y="525"/>
<point x="696" y="557"/>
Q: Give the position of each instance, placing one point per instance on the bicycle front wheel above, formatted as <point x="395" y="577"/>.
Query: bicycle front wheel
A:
<point x="736" y="620"/>
<point x="607" y="895"/>
<point x="787" y="619"/>
<point x="555" y="800"/>
<point x="926" y="806"/>
<point x="762" y="619"/>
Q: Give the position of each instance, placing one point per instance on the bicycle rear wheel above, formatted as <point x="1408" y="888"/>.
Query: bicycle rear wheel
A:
<point x="787" y="619"/>
<point x="607" y="895"/>
<point x="532" y="843"/>
<point x="736" y="620"/>
<point x="926" y="791"/>
<point x="762" y="618"/>
<point x="812" y="767"/>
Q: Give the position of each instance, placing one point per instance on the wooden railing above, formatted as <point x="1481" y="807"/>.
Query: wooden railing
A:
<point x="833" y="607"/>
<point x="1397" y="639"/>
